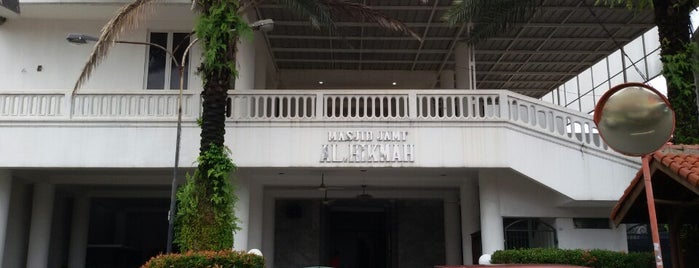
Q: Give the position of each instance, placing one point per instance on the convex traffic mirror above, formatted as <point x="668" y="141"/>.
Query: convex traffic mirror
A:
<point x="634" y="119"/>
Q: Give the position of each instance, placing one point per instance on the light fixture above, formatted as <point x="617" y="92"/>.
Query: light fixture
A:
<point x="77" y="38"/>
<point x="265" y="25"/>
<point x="321" y="82"/>
<point x="394" y="83"/>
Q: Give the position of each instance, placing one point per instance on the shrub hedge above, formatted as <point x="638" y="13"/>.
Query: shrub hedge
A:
<point x="597" y="258"/>
<point x="206" y="259"/>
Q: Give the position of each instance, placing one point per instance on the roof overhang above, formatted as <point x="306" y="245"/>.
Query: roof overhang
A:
<point x="561" y="40"/>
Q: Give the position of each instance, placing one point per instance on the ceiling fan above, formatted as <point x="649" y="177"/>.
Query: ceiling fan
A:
<point x="325" y="200"/>
<point x="323" y="187"/>
<point x="364" y="195"/>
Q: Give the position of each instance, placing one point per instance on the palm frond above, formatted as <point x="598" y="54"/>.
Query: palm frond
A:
<point x="126" y="17"/>
<point x="363" y="12"/>
<point x="318" y="14"/>
<point x="490" y="17"/>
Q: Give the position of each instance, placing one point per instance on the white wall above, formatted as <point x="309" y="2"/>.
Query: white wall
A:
<point x="570" y="238"/>
<point x="85" y="146"/>
<point x="522" y="197"/>
<point x="26" y="43"/>
<point x="578" y="175"/>
<point x="454" y="145"/>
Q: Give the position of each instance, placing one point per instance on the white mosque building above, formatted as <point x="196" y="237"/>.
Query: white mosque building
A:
<point x="370" y="147"/>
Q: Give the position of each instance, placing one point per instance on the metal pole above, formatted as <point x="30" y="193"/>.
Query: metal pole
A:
<point x="173" y="187"/>
<point x="651" y="211"/>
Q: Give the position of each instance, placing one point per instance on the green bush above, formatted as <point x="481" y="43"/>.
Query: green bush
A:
<point x="206" y="259"/>
<point x="597" y="258"/>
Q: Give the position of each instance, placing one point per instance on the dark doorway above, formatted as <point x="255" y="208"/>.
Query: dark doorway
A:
<point x="358" y="236"/>
<point x="126" y="232"/>
<point x="352" y="233"/>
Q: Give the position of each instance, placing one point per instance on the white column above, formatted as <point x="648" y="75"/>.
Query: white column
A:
<point x="452" y="241"/>
<point x="492" y="234"/>
<point x="5" y="190"/>
<point x="470" y="216"/>
<point x="242" y="211"/>
<point x="268" y="228"/>
<point x="446" y="79"/>
<point x="245" y="64"/>
<point x="77" y="248"/>
<point x="464" y="66"/>
<point x="255" y="215"/>
<point x="260" y="61"/>
<point x="40" y="226"/>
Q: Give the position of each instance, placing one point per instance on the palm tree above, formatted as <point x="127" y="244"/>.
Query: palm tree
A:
<point x="671" y="16"/>
<point x="206" y="201"/>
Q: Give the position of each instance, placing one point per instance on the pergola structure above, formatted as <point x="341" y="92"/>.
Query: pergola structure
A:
<point x="675" y="177"/>
<point x="562" y="39"/>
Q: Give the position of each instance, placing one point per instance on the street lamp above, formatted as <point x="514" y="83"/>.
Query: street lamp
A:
<point x="79" y="39"/>
<point x="265" y="25"/>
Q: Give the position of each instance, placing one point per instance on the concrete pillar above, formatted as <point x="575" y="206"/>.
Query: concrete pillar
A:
<point x="77" y="248"/>
<point x="452" y="240"/>
<point x="260" y="61"/>
<point x="255" y="215"/>
<point x="465" y="66"/>
<point x="492" y="233"/>
<point x="446" y="79"/>
<point x="242" y="211"/>
<point x="245" y="62"/>
<point x="40" y="225"/>
<point x="470" y="216"/>
<point x="5" y="193"/>
<point x="268" y="228"/>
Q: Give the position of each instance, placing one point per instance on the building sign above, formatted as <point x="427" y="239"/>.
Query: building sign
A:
<point x="358" y="146"/>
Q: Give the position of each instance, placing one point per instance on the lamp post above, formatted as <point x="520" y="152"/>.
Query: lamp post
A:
<point x="75" y="38"/>
<point x="265" y="25"/>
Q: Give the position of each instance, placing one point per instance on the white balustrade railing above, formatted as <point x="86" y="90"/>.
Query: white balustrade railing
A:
<point x="365" y="106"/>
<point x="311" y="106"/>
<point x="458" y="106"/>
<point x="28" y="105"/>
<point x="264" y="106"/>
<point x="131" y="105"/>
<point x="555" y="120"/>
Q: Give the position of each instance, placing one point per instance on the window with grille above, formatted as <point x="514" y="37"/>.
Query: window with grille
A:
<point x="529" y="233"/>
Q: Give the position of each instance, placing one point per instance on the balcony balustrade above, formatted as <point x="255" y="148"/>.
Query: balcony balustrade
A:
<point x="381" y="106"/>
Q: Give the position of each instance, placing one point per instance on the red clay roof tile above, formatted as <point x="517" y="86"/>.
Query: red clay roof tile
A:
<point x="683" y="160"/>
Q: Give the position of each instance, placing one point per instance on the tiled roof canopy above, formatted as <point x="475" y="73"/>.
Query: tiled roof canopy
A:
<point x="675" y="178"/>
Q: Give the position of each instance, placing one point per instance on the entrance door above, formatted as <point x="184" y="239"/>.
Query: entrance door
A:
<point x="126" y="232"/>
<point x="358" y="236"/>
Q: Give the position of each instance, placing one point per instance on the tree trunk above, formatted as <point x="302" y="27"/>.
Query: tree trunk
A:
<point x="214" y="114"/>
<point x="672" y="19"/>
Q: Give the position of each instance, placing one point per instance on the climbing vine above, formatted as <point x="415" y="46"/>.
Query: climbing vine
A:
<point x="678" y="69"/>
<point x="219" y="27"/>
<point x="205" y="217"/>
